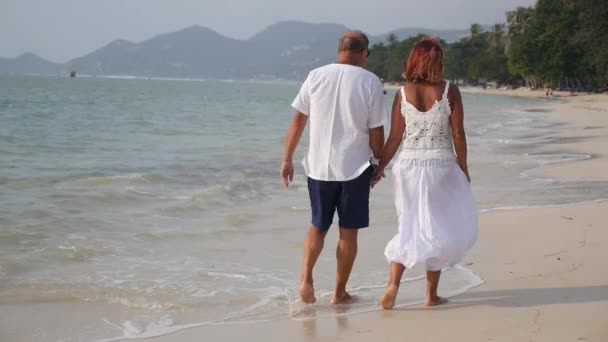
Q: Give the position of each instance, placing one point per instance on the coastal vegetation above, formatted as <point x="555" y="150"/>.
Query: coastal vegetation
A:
<point x="556" y="43"/>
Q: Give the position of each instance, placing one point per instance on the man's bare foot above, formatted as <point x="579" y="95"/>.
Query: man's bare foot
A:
<point x="343" y="298"/>
<point x="434" y="301"/>
<point x="388" y="299"/>
<point x="307" y="293"/>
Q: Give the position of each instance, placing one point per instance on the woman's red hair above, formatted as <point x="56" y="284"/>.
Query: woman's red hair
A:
<point x="425" y="62"/>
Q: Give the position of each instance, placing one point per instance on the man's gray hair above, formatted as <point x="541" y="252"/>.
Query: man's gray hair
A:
<point x="353" y="41"/>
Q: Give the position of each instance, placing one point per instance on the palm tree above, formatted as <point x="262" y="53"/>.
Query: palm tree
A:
<point x="519" y="20"/>
<point x="497" y="37"/>
<point x="475" y="31"/>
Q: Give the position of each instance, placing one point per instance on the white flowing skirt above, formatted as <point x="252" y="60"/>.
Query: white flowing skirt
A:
<point x="436" y="212"/>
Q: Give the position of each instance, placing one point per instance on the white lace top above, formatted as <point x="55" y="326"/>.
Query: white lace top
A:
<point x="428" y="135"/>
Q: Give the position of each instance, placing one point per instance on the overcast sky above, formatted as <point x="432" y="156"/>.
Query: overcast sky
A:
<point x="63" y="29"/>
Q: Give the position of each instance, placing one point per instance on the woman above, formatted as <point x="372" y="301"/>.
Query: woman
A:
<point x="435" y="206"/>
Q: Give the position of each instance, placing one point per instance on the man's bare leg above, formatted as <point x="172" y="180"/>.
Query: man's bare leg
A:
<point x="388" y="299"/>
<point x="346" y="254"/>
<point x="432" y="282"/>
<point x="313" y="245"/>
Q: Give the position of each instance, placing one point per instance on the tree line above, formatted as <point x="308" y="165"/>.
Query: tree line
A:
<point x="557" y="43"/>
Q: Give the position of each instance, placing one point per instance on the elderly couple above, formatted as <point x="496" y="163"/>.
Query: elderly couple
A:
<point x="347" y="155"/>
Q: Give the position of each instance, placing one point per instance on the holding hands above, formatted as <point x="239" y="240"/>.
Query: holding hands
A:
<point x="377" y="175"/>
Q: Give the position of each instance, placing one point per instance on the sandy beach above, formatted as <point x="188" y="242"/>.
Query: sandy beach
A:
<point x="544" y="268"/>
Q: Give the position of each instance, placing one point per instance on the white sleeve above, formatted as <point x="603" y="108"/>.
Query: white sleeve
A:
<point x="302" y="101"/>
<point x="377" y="108"/>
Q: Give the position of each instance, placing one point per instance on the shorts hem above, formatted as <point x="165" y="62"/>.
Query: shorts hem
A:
<point x="353" y="226"/>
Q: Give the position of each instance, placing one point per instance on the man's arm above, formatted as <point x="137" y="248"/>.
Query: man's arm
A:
<point x="377" y="118"/>
<point x="291" y="141"/>
<point x="394" y="139"/>
<point x="376" y="140"/>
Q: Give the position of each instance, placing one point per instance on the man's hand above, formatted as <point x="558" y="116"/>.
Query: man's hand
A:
<point x="377" y="176"/>
<point x="286" y="173"/>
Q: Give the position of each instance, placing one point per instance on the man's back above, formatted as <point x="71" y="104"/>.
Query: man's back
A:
<point x="345" y="107"/>
<point x="343" y="102"/>
<point x="344" y="89"/>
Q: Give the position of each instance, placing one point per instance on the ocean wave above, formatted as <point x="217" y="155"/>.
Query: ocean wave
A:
<point x="520" y="207"/>
<point x="240" y="189"/>
<point x="12" y="237"/>
<point x="94" y="181"/>
<point x="228" y="275"/>
<point x="12" y="267"/>
<point x="227" y="194"/>
<point x="241" y="219"/>
<point x="24" y="184"/>
<point x="554" y="158"/>
<point x="166" y="235"/>
<point x="49" y="292"/>
<point x="33" y="256"/>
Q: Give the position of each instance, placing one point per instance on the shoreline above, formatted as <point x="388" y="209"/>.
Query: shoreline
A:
<point x="519" y="92"/>
<point x="530" y="283"/>
<point x="522" y="92"/>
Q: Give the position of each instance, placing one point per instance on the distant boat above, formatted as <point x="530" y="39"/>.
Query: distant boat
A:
<point x="72" y="73"/>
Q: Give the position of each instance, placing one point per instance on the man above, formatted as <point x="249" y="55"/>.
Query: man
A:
<point x="345" y="105"/>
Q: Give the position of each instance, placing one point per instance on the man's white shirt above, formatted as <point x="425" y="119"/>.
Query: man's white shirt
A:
<point x="342" y="102"/>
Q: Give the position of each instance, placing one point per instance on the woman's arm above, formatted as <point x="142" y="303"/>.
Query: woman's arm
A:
<point x="457" y="124"/>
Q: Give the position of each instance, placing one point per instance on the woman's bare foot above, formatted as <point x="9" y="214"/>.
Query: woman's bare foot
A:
<point x="343" y="298"/>
<point x="388" y="299"/>
<point x="434" y="301"/>
<point x="307" y="293"/>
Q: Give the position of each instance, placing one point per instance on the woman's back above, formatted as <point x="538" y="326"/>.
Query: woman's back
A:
<point x="426" y="110"/>
<point x="424" y="95"/>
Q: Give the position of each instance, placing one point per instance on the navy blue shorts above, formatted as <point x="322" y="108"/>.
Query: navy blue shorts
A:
<point x="350" y="198"/>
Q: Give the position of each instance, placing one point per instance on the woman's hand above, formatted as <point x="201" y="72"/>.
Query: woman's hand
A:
<point x="465" y="170"/>
<point x="377" y="176"/>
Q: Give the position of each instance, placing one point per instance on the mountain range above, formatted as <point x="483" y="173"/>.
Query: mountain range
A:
<point x="283" y="50"/>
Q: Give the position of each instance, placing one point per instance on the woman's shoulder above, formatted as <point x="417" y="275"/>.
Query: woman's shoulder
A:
<point x="453" y="89"/>
<point x="452" y="86"/>
<point x="453" y="95"/>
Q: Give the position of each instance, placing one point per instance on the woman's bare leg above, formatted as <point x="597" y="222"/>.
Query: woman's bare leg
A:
<point x="432" y="282"/>
<point x="388" y="299"/>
